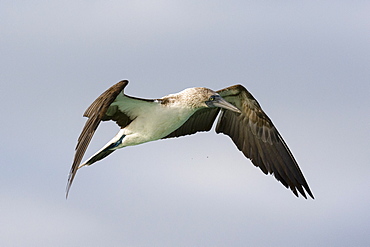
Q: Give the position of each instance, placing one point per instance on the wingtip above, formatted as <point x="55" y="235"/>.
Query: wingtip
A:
<point x="303" y="191"/>
<point x="310" y="194"/>
<point x="308" y="191"/>
<point x="125" y="82"/>
<point x="71" y="177"/>
<point x="69" y="184"/>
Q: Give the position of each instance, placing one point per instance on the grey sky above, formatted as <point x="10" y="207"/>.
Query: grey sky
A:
<point x="307" y="63"/>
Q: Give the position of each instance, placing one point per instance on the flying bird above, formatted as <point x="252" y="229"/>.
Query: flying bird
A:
<point x="185" y="113"/>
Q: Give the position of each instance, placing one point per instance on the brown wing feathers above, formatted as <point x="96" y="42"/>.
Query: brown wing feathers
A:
<point x="96" y="113"/>
<point x="255" y="135"/>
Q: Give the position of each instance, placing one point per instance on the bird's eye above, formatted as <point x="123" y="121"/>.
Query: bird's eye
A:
<point x="212" y="98"/>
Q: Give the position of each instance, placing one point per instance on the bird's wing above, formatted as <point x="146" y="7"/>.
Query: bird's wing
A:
<point x="201" y="120"/>
<point x="254" y="134"/>
<point x="114" y="105"/>
<point x="97" y="112"/>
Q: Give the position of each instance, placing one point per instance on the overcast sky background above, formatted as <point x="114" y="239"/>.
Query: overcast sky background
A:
<point x="306" y="62"/>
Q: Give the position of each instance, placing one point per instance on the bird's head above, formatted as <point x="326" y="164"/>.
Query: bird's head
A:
<point x="200" y="97"/>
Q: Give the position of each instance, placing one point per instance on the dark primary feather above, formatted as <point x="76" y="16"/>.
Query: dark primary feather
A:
<point x="95" y="113"/>
<point x="254" y="134"/>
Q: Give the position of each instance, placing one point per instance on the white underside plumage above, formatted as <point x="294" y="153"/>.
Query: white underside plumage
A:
<point x="152" y="121"/>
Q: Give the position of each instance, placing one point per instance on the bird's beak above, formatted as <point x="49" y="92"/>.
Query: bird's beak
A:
<point x="220" y="102"/>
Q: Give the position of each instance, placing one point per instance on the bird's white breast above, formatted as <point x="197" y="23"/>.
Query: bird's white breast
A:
<point x="152" y="120"/>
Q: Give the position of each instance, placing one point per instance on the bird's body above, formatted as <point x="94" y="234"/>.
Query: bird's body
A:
<point x="153" y="119"/>
<point x="187" y="112"/>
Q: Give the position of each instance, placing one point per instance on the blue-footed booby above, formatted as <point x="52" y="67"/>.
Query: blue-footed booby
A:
<point x="185" y="113"/>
